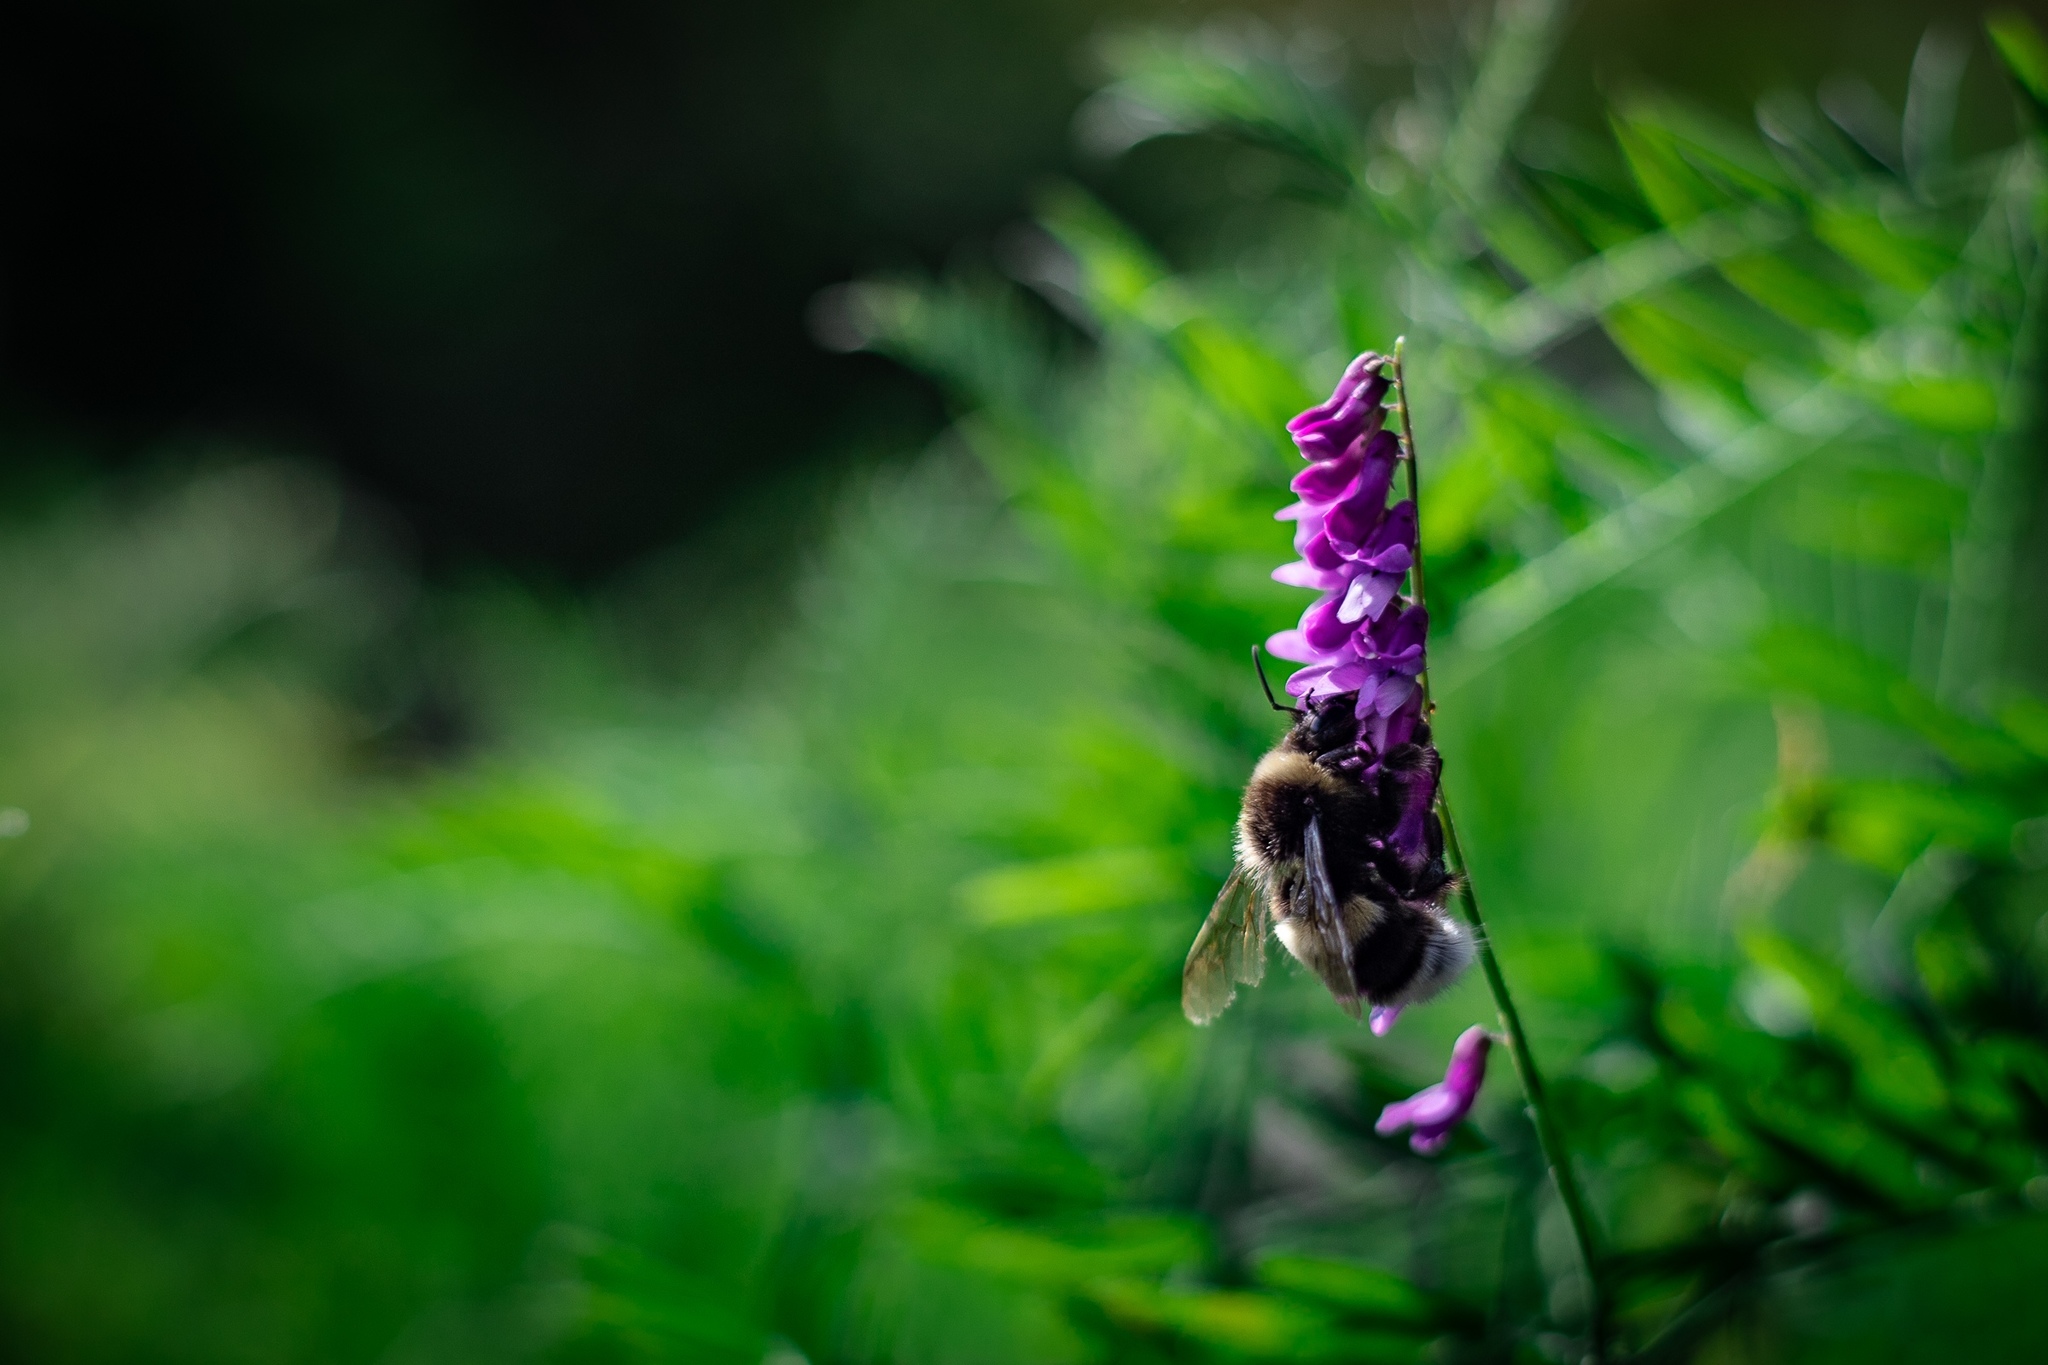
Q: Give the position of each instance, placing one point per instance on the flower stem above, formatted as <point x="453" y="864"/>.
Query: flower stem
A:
<point x="1548" y="1134"/>
<point x="1414" y="492"/>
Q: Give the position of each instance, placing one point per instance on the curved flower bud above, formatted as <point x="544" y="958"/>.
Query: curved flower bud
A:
<point x="1432" y="1114"/>
<point x="1329" y="429"/>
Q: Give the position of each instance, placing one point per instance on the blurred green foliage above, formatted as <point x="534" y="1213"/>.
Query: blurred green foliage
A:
<point x="825" y="1007"/>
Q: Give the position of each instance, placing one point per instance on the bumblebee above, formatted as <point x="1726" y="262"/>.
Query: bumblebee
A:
<point x="1320" y="861"/>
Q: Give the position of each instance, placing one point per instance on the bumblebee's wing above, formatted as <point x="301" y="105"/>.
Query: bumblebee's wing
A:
<point x="1230" y="948"/>
<point x="1316" y="903"/>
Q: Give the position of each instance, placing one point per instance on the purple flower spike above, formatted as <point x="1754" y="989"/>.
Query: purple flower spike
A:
<point x="1360" y="640"/>
<point x="1363" y="651"/>
<point x="1435" y="1112"/>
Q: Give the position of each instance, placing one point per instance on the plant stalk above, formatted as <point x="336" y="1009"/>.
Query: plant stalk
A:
<point x="1549" y="1136"/>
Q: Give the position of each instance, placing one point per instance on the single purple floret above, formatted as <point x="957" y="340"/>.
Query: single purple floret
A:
<point x="1329" y="429"/>
<point x="1434" y="1113"/>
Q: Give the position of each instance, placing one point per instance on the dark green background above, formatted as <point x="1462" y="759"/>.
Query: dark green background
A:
<point x="535" y="273"/>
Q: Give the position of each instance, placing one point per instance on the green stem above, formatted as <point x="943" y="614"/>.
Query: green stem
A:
<point x="1548" y="1134"/>
<point x="1414" y="492"/>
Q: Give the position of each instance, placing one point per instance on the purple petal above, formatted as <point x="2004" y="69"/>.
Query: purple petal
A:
<point x="1395" y="559"/>
<point x="1324" y="480"/>
<point x="1343" y="429"/>
<point x="1467" y="1070"/>
<point x="1381" y="733"/>
<point x="1296" y="574"/>
<point x="1308" y="527"/>
<point x="1318" y="551"/>
<point x="1404" y="632"/>
<point x="1350" y="677"/>
<point x="1395" y="640"/>
<point x="1315" y="678"/>
<point x="1392" y="547"/>
<point x="1293" y="647"/>
<point x="1320" y="626"/>
<point x="1383" y="1017"/>
<point x="1395" y="689"/>
<point x="1362" y="367"/>
<point x="1350" y="522"/>
<point x="1368" y="596"/>
<point x="1434" y="1112"/>
<point x="1418" y="795"/>
<point x="1436" y="1107"/>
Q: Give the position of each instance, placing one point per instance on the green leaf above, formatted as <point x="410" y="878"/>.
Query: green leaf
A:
<point x="1243" y="87"/>
<point x="1260" y="1326"/>
<point x="1361" y="1289"/>
<point x="1802" y="659"/>
<point x="1053" y="1256"/>
<point x="2025" y="718"/>
<point x="1118" y="270"/>
<point x="1895" y="1069"/>
<point x="1855" y="228"/>
<point x="1080" y="884"/>
<point x="1687" y="164"/>
<point x="1887" y="824"/>
<point x="1958" y="406"/>
<point x="1889" y="516"/>
<point x="2023" y="50"/>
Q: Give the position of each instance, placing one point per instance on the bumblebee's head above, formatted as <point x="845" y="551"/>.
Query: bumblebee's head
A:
<point x="1328" y="724"/>
<point x="1321" y="724"/>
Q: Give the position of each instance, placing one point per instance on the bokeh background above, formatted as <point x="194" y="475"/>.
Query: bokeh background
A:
<point x="622" y="676"/>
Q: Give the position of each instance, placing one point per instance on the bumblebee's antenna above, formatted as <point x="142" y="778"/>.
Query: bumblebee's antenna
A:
<point x="1294" y="711"/>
